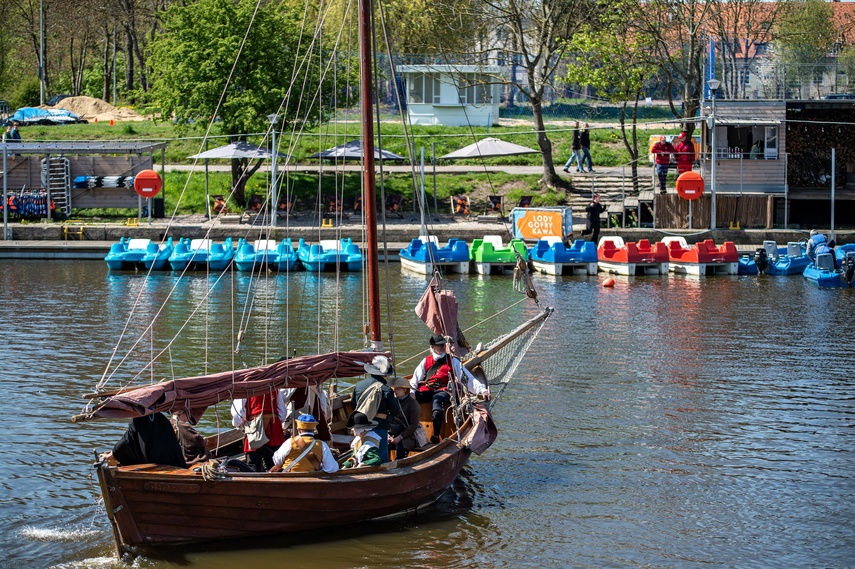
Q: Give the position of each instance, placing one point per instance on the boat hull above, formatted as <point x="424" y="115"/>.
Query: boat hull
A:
<point x="701" y="269"/>
<point x="548" y="268"/>
<point x="423" y="268"/>
<point x="630" y="269"/>
<point x="151" y="505"/>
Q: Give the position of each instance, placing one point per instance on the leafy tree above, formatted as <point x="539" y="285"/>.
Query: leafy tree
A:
<point x="616" y="69"/>
<point x="235" y="61"/>
<point x="740" y="26"/>
<point x="534" y="34"/>
<point x="805" y="34"/>
<point x="677" y="28"/>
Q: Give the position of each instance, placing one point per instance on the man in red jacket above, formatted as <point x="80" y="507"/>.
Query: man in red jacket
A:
<point x="684" y="153"/>
<point x="662" y="152"/>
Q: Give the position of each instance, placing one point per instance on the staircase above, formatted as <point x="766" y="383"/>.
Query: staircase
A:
<point x="56" y="178"/>
<point x="616" y="192"/>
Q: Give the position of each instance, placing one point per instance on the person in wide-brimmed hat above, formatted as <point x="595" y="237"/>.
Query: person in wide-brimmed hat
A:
<point x="431" y="378"/>
<point x="366" y="442"/>
<point x="303" y="453"/>
<point x="374" y="398"/>
<point x="403" y="432"/>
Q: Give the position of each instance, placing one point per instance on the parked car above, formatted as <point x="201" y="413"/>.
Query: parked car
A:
<point x="840" y="96"/>
<point x="56" y="99"/>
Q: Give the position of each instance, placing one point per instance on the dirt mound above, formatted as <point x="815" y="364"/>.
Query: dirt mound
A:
<point x="90" y="108"/>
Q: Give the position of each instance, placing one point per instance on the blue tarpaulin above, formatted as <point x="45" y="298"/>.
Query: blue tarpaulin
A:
<point x="33" y="115"/>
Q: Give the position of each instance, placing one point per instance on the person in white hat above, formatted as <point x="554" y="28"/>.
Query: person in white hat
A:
<point x="373" y="397"/>
<point x="431" y="377"/>
<point x="303" y="453"/>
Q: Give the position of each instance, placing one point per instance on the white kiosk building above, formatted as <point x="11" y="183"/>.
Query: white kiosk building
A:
<point x="452" y="95"/>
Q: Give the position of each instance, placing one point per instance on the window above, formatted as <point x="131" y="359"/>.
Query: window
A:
<point x="424" y="88"/>
<point x="745" y="76"/>
<point x="471" y="90"/>
<point x="736" y="141"/>
<point x="771" y="146"/>
<point x="761" y="48"/>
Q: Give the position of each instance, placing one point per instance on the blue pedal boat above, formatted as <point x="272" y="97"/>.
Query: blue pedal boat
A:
<point x="197" y="254"/>
<point x="824" y="272"/>
<point x="138" y="253"/>
<point x="329" y="254"/>
<point x="550" y="256"/>
<point x="265" y="253"/>
<point x="424" y="254"/>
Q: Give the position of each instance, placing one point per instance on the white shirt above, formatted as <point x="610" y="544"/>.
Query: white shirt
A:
<point x="328" y="464"/>
<point x="473" y="384"/>
<point x="239" y="407"/>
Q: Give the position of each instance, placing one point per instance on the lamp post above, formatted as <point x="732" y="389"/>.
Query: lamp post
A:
<point x="274" y="197"/>
<point x="713" y="84"/>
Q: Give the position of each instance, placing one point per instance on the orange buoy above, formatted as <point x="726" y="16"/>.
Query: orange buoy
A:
<point x="147" y="183"/>
<point x="609" y="282"/>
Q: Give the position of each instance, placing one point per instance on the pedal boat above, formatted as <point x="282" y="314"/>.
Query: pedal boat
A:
<point x="199" y="254"/>
<point x="490" y="255"/>
<point x="616" y="257"/>
<point x="702" y="258"/>
<point x="265" y="253"/>
<point x="138" y="253"/>
<point x="424" y="254"/>
<point x="329" y="254"/>
<point x="550" y="256"/>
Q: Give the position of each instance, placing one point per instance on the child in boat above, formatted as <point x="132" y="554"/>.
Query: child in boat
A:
<point x="365" y="443"/>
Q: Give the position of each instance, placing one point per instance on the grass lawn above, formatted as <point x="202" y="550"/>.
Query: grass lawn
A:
<point x="607" y="149"/>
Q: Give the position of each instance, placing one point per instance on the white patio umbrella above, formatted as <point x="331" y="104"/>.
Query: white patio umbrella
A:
<point x="487" y="147"/>
<point x="352" y="150"/>
<point x="233" y="151"/>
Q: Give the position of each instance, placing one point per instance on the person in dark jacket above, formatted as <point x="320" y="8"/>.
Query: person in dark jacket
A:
<point x="585" y="141"/>
<point x="594" y="209"/>
<point x="577" y="150"/>
<point x="379" y="370"/>
<point x="403" y="432"/>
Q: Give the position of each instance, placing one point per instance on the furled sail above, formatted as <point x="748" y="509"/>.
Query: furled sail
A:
<point x="189" y="397"/>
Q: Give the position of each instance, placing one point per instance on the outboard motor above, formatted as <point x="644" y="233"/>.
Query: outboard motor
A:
<point x="761" y="259"/>
<point x="848" y="266"/>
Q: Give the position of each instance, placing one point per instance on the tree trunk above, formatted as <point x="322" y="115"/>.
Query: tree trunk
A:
<point x="550" y="178"/>
<point x="129" y="59"/>
<point x="106" y="66"/>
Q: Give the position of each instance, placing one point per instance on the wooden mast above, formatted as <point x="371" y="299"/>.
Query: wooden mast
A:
<point x="370" y="198"/>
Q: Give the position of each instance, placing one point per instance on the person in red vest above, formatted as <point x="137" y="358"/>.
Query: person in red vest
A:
<point x="684" y="153"/>
<point x="272" y="408"/>
<point x="662" y="152"/>
<point x="431" y="379"/>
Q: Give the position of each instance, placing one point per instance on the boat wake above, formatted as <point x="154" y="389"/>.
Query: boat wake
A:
<point x="58" y="534"/>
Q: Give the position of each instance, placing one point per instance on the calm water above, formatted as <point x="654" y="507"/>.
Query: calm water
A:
<point x="668" y="422"/>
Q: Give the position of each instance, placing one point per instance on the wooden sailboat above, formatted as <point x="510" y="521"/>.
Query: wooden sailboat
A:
<point x="155" y="504"/>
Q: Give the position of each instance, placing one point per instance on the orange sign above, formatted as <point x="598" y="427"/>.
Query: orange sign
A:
<point x="534" y="224"/>
<point x="690" y="185"/>
<point x="148" y="183"/>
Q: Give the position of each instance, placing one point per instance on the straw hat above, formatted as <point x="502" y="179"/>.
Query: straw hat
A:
<point x="399" y="382"/>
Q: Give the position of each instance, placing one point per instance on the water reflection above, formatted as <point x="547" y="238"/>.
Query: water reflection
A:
<point x="668" y="421"/>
